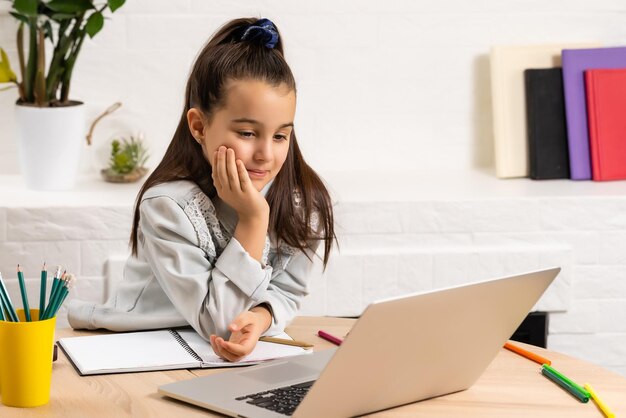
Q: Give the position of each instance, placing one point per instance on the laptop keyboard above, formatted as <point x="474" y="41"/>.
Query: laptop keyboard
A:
<point x="283" y="400"/>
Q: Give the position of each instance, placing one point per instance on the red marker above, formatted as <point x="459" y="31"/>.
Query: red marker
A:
<point x="328" y="337"/>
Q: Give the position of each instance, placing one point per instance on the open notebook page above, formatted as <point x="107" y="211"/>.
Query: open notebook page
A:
<point x="133" y="351"/>
<point x="158" y="350"/>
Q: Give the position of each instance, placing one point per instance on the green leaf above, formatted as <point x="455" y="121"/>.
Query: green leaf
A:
<point x="6" y="73"/>
<point x="48" y="30"/>
<point x="61" y="16"/>
<point x="94" y="24"/>
<point x="70" y="6"/>
<point x="26" y="7"/>
<point x="115" y="4"/>
<point x="20" y="17"/>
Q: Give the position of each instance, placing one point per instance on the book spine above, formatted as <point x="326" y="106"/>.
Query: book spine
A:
<point x="593" y="126"/>
<point x="576" y="118"/>
<point x="184" y="344"/>
<point x="530" y="122"/>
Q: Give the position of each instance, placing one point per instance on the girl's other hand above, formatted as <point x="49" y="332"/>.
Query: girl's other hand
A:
<point x="234" y="186"/>
<point x="245" y="332"/>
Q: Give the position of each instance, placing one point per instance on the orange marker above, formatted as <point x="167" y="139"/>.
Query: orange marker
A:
<point x="531" y="356"/>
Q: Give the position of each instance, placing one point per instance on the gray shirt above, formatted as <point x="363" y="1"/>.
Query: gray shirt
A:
<point x="190" y="270"/>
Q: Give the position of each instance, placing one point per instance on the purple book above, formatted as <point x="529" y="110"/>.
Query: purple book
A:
<point x="575" y="62"/>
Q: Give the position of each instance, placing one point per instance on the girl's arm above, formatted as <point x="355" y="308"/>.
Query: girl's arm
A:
<point x="234" y="187"/>
<point x="279" y="304"/>
<point x="209" y="296"/>
<point x="288" y="287"/>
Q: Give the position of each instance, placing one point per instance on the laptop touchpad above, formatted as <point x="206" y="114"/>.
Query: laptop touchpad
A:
<point x="280" y="373"/>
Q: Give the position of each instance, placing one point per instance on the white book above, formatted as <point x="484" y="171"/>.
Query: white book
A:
<point x="508" y="99"/>
<point x="159" y="350"/>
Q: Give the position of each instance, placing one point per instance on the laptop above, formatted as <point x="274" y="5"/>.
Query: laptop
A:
<point x="401" y="350"/>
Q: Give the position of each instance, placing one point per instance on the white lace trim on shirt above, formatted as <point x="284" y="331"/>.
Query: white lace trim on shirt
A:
<point x="212" y="236"/>
<point x="201" y="213"/>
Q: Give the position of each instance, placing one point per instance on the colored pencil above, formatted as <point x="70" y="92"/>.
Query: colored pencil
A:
<point x="56" y="283"/>
<point x="286" y="342"/>
<point x="582" y="396"/>
<point x="20" y="278"/>
<point x="2" y="316"/>
<point x="603" y="407"/>
<point x="68" y="281"/>
<point x="42" y="290"/>
<point x="525" y="353"/>
<point x="329" y="337"/>
<point x="6" y="299"/>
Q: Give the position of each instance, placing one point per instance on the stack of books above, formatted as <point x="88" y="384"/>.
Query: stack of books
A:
<point x="559" y="111"/>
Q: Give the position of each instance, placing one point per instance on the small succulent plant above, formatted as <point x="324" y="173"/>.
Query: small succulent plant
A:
<point x="127" y="155"/>
<point x="126" y="163"/>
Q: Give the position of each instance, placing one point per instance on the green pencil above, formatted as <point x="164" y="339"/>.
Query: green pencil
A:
<point x="64" y="289"/>
<point x="20" y="278"/>
<point x="6" y="299"/>
<point x="56" y="283"/>
<point x="2" y="316"/>
<point x="42" y="290"/>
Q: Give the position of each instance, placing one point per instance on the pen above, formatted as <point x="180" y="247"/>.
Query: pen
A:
<point x="603" y="407"/>
<point x="525" y="353"/>
<point x="286" y="342"/>
<point x="328" y="337"/>
<point x="559" y="379"/>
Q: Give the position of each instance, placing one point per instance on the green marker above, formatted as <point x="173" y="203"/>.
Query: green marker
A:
<point x="567" y="380"/>
<point x="563" y="381"/>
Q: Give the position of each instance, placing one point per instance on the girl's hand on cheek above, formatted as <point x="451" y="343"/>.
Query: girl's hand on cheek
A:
<point x="234" y="186"/>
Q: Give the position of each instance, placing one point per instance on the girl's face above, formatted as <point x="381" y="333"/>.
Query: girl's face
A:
<point x="256" y="122"/>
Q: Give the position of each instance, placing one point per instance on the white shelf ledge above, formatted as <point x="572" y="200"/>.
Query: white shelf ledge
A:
<point x="370" y="186"/>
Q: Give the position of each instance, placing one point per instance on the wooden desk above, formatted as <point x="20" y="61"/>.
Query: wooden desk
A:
<point x="510" y="387"/>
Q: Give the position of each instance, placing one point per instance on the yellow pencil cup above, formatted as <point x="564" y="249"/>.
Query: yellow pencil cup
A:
<point x="26" y="350"/>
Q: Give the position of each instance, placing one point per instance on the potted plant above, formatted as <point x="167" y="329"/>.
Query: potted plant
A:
<point x="50" y="124"/>
<point x="127" y="159"/>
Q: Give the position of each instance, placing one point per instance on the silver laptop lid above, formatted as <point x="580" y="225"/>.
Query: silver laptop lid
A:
<point x="415" y="347"/>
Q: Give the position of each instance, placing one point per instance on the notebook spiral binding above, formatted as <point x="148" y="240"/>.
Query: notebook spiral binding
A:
<point x="184" y="344"/>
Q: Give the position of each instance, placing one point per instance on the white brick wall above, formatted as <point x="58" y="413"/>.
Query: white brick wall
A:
<point x="418" y="242"/>
<point x="355" y="62"/>
<point x="383" y="86"/>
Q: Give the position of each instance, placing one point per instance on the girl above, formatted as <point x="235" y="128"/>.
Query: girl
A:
<point x="201" y="253"/>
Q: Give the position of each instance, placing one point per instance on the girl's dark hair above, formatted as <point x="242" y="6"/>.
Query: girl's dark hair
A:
<point x="225" y="57"/>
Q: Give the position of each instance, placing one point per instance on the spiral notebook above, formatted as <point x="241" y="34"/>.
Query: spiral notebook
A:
<point x="159" y="350"/>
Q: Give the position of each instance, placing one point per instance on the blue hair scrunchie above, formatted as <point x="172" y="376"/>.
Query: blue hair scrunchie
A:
<point x="264" y="31"/>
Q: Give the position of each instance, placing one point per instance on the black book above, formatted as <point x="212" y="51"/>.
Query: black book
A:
<point x="547" y="129"/>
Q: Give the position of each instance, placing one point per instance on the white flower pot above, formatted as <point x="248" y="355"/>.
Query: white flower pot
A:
<point x="49" y="144"/>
